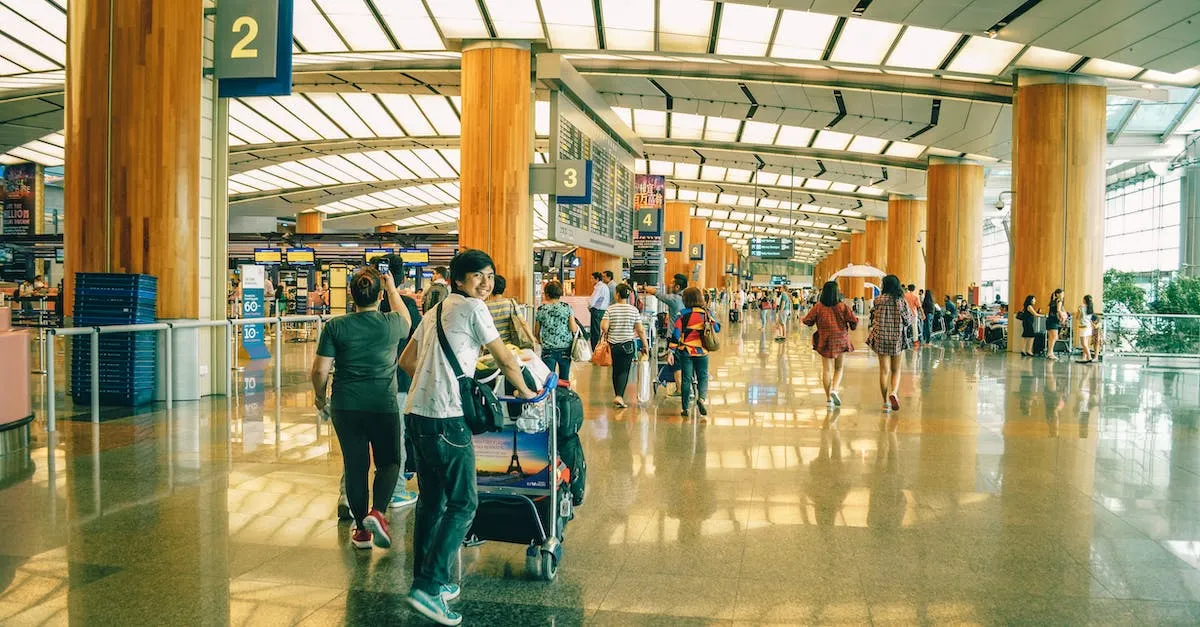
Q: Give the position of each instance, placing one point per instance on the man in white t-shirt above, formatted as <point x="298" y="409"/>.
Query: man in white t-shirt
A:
<point x="443" y="448"/>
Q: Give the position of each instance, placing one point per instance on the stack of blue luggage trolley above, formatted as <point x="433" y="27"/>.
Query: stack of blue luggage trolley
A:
<point x="127" y="360"/>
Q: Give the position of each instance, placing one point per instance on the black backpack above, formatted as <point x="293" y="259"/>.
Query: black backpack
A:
<point x="482" y="411"/>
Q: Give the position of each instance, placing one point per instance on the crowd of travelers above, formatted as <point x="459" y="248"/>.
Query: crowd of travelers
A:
<point x="396" y="365"/>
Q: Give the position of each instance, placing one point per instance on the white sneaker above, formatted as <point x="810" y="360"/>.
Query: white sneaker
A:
<point x="837" y="400"/>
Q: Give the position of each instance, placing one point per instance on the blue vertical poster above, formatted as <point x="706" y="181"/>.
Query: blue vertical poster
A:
<point x="253" y="303"/>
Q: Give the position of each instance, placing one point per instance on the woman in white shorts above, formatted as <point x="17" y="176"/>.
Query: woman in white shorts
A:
<point x="783" y="311"/>
<point x="1084" y="328"/>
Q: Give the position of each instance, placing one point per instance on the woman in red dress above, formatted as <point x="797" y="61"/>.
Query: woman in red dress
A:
<point x="833" y="320"/>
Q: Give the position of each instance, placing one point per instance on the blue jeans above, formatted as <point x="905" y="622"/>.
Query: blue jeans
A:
<point x="558" y="359"/>
<point x="446" y="507"/>
<point x="694" y="369"/>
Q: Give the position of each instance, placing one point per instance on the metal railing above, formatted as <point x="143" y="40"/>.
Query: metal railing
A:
<point x="1172" y="336"/>
<point x="165" y="330"/>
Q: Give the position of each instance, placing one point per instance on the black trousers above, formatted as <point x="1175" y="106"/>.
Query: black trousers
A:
<point x="622" y="357"/>
<point x="594" y="326"/>
<point x="364" y="435"/>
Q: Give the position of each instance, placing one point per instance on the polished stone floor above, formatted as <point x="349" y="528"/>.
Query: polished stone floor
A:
<point x="1006" y="491"/>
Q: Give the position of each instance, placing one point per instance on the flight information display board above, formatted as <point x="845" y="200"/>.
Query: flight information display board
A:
<point x="605" y="225"/>
<point x="772" y="248"/>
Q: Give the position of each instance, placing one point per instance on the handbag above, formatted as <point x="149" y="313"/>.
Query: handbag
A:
<point x="708" y="337"/>
<point x="481" y="409"/>
<point x="521" y="335"/>
<point x="581" y="349"/>
<point x="602" y="356"/>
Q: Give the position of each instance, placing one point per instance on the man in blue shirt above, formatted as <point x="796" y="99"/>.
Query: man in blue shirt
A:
<point x="597" y="305"/>
<point x="674" y="303"/>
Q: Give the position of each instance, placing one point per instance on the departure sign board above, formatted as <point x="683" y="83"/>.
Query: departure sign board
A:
<point x="771" y="248"/>
<point x="606" y="224"/>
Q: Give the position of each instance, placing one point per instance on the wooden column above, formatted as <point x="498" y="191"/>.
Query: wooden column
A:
<point x="387" y="228"/>
<point x="495" y="214"/>
<point x="133" y="146"/>
<point x="1059" y="138"/>
<point x="592" y="261"/>
<point x="697" y="229"/>
<point x="954" y="218"/>
<point x="876" y="250"/>
<point x="905" y="223"/>
<point x="311" y="223"/>
<point x="712" y="258"/>
<point x="858" y="256"/>
<point x="677" y="217"/>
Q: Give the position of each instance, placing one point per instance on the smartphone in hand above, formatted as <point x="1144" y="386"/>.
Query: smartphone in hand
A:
<point x="383" y="267"/>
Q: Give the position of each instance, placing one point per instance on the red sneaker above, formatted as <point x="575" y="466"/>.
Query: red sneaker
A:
<point x="378" y="526"/>
<point x="360" y="539"/>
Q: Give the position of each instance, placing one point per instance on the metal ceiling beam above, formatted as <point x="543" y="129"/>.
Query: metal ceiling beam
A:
<point x="382" y="214"/>
<point x="1116" y="133"/>
<point x="798" y="192"/>
<point x="932" y="86"/>
<point x="788" y="151"/>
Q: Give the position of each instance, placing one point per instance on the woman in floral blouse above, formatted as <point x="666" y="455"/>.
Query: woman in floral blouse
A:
<point x="554" y="326"/>
<point x="833" y="319"/>
<point x="890" y="318"/>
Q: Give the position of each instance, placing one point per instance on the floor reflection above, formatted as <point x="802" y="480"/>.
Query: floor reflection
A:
<point x="1007" y="490"/>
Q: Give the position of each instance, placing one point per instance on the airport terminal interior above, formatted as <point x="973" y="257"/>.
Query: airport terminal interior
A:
<point x="937" y="360"/>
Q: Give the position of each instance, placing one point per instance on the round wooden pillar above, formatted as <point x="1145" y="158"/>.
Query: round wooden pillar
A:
<point x="1059" y="139"/>
<point x="857" y="251"/>
<point x="387" y="228"/>
<point x="677" y="217"/>
<point x="133" y="146"/>
<point x="497" y="145"/>
<point x="697" y="233"/>
<point x="954" y="215"/>
<point x="593" y="261"/>
<point x="876" y="240"/>
<point x="712" y="258"/>
<point x="311" y="222"/>
<point x="905" y="223"/>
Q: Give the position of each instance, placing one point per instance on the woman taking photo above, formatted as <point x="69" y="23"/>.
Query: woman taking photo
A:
<point x="833" y="319"/>
<point x="365" y="414"/>
<point x="890" y="317"/>
<point x="1055" y="317"/>
<point x="620" y="327"/>
<point x="1084" y="328"/>
<point x="1028" y="316"/>
<point x="554" y="326"/>
<point x="688" y="335"/>
<point x="442" y="444"/>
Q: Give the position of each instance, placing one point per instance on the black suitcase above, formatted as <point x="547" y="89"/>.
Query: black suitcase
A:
<point x="1039" y="344"/>
<point x="734" y="315"/>
<point x="570" y="450"/>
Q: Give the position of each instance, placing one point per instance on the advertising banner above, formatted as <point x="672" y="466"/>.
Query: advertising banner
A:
<point x="22" y="199"/>
<point x="646" y="264"/>
<point x="253" y="306"/>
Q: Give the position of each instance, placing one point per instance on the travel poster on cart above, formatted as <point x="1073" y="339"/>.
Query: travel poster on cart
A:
<point x="502" y="462"/>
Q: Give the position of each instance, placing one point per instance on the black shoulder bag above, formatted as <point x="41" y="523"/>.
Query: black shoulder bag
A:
<point x="481" y="409"/>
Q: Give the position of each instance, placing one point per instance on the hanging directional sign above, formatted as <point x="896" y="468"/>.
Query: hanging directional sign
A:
<point x="673" y="241"/>
<point x="252" y="48"/>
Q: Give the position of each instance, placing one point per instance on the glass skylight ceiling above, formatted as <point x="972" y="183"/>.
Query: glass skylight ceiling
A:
<point x="322" y="116"/>
<point x="366" y="167"/>
<point x="48" y="151"/>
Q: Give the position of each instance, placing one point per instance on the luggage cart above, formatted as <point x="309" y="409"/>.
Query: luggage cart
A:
<point x="526" y="503"/>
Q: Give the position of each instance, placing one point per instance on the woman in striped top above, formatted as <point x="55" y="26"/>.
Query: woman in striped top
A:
<point x="688" y="335"/>
<point x="620" y="327"/>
